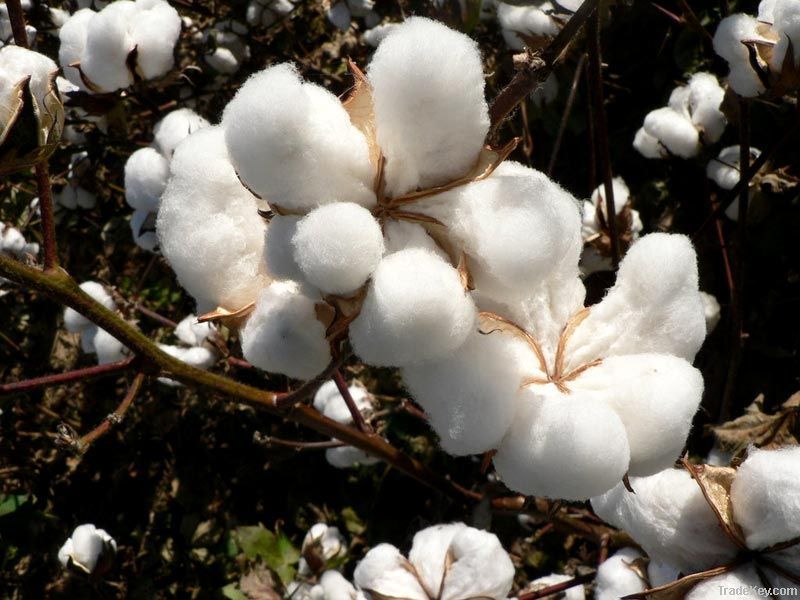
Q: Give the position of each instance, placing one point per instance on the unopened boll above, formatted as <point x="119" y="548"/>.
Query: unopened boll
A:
<point x="766" y="496"/>
<point x="283" y="334"/>
<point x="617" y="576"/>
<point x="337" y="247"/>
<point x="416" y="309"/>
<point x="293" y="144"/>
<point x="428" y="135"/>
<point x="76" y="322"/>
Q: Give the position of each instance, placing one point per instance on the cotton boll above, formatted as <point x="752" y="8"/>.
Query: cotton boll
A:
<point x="622" y="194"/>
<point x="481" y="568"/>
<point x="766" y="496"/>
<point x="347" y="457"/>
<point x="724" y="170"/>
<point x="705" y="98"/>
<point x="728" y="44"/>
<point x="16" y="64"/>
<point x="674" y="131"/>
<point x="278" y="249"/>
<point x="336" y="587"/>
<point x="146" y="174"/>
<point x="143" y="228"/>
<point x="72" y="36"/>
<point x="654" y="306"/>
<point x="223" y="60"/>
<point x="670" y="519"/>
<point x="330" y="402"/>
<point x="786" y="23"/>
<point x="562" y="446"/>
<point x="744" y="578"/>
<point x="655" y="396"/>
<point x="743" y="80"/>
<point x="193" y="333"/>
<point x="399" y="235"/>
<point x="470" y="397"/>
<point x="766" y="11"/>
<point x="199" y="357"/>
<point x="648" y="145"/>
<point x="416" y="310"/>
<point x="108" y="348"/>
<point x="711" y="311"/>
<point x="428" y="134"/>
<point x="428" y="554"/>
<point x="338" y="246"/>
<point x="108" y="43"/>
<point x="72" y="197"/>
<point x="615" y="577"/>
<point x="528" y="20"/>
<point x="73" y="320"/>
<point x="267" y="12"/>
<point x="293" y="143"/>
<point x="87" y="548"/>
<point x="384" y="572"/>
<point x="373" y="37"/>
<point x="574" y="593"/>
<point x="174" y="128"/>
<point x="155" y="31"/>
<point x="208" y="225"/>
<point x="283" y="334"/>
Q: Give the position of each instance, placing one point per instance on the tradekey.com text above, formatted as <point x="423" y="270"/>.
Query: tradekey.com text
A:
<point x="759" y="591"/>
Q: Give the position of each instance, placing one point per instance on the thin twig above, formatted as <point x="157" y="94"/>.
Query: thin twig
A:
<point x="557" y="588"/>
<point x="28" y="385"/>
<point x="114" y="418"/>
<point x="562" y="127"/>
<point x="358" y="418"/>
<point x="17" y="18"/>
<point x="46" y="211"/>
<point x="268" y="440"/>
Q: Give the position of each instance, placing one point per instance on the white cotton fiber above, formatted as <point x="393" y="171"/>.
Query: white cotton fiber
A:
<point x="108" y="348"/>
<point x="72" y="36"/>
<point x="336" y="587"/>
<point x="416" y="309"/>
<point x="347" y="457"/>
<point x="278" y="249"/>
<point x="428" y="554"/>
<point x="562" y="446"/>
<point x="655" y="396"/>
<point x="670" y="519"/>
<point x="787" y="25"/>
<point x="429" y="135"/>
<point x="528" y="20"/>
<point x="293" y="143"/>
<point x="766" y="11"/>
<point x="615" y="577"/>
<point x="338" y="246"/>
<point x="199" y="357"/>
<point x="660" y="573"/>
<point x="146" y="174"/>
<point x="654" y="306"/>
<point x="728" y="44"/>
<point x="766" y="496"/>
<point x="208" y="226"/>
<point x="373" y="37"/>
<point x="622" y="194"/>
<point x="648" y="145"/>
<point x="143" y="228"/>
<point x="711" y="309"/>
<point x="705" y="98"/>
<point x="399" y="235"/>
<point x="743" y="80"/>
<point x="330" y="402"/>
<point x="155" y="31"/>
<point x="744" y="578"/>
<point x="470" y="397"/>
<point x="16" y="64"/>
<point x="108" y="43"/>
<point x="73" y="320"/>
<point x="339" y="15"/>
<point x="481" y="568"/>
<point x="174" y="128"/>
<point x="674" y="131"/>
<point x="385" y="572"/>
<point x="724" y="170"/>
<point x="193" y="333"/>
<point x="283" y="334"/>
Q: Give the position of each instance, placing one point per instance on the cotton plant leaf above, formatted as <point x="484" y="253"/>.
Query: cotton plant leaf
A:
<point x="715" y="483"/>
<point x="758" y="427"/>
<point x="275" y="550"/>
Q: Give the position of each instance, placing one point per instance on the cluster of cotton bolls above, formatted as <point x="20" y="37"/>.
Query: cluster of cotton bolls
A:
<point x="691" y="119"/>
<point x="88" y="550"/>
<point x="672" y="521"/>
<point x="724" y="170"/>
<point x="6" y="33"/>
<point x="94" y="339"/>
<point x="267" y="12"/>
<point x="342" y="12"/>
<point x="596" y="230"/>
<point x="126" y="41"/>
<point x="763" y="52"/>
<point x="329" y="401"/>
<point x="323" y="550"/>
<point x="73" y="195"/>
<point x="147" y="172"/>
<point x="571" y="399"/>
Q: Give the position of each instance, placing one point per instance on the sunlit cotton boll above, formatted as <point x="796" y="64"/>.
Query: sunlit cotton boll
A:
<point x="669" y="518"/>
<point x="338" y="246"/>
<point x="677" y="133"/>
<point x="283" y="334"/>
<point x="562" y="446"/>
<point x="616" y="576"/>
<point x="531" y="20"/>
<point x="704" y="100"/>
<point x="89" y="549"/>
<point x="193" y="333"/>
<point x="279" y="253"/>
<point x="744" y="578"/>
<point x="72" y="36"/>
<point x="728" y="44"/>
<point x="209" y="228"/>
<point x="146" y="174"/>
<point x="16" y="64"/>
<point x="155" y="31"/>
<point x="174" y="128"/>
<point x="324" y="542"/>
<point x="330" y="402"/>
<point x="766" y="496"/>
<point x="648" y="145"/>
<point x="416" y="310"/>
<point x="786" y="23"/>
<point x="293" y="144"/>
<point x="76" y="322"/>
<point x="199" y="357"/>
<point x="108" y="43"/>
<point x="428" y="134"/>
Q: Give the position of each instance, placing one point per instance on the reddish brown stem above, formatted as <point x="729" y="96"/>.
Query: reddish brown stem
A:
<point x="562" y="127"/>
<point x="358" y="418"/>
<point x="28" y="385"/>
<point x="154" y="316"/>
<point x="557" y="588"/>
<point x="17" y="18"/>
<point x="114" y="418"/>
<point x="268" y="440"/>
<point x="305" y="391"/>
<point x="46" y="212"/>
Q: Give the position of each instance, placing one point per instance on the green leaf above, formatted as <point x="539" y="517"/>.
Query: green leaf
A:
<point x="233" y="592"/>
<point x="352" y="522"/>
<point x="10" y="503"/>
<point x="275" y="549"/>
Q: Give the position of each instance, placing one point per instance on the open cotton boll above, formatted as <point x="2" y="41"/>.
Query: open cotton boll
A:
<point x="705" y="98"/>
<point x="385" y="572"/>
<point x="174" y="128"/>
<point x="766" y="496"/>
<point x="416" y="310"/>
<point x="428" y="134"/>
<point x="786" y="23"/>
<point x="728" y="44"/>
<point x="155" y="31"/>
<point x="72" y="36"/>
<point x="108" y="348"/>
<point x="146" y="174"/>
<point x="399" y="235"/>
<point x="283" y="334"/>
<point x="278" y="250"/>
<point x="143" y="228"/>
<point x="75" y="196"/>
<point x="648" y="145"/>
<point x="669" y="518"/>
<point x="528" y="20"/>
<point x="429" y="551"/>
<point x="193" y="333"/>
<point x="293" y="144"/>
<point x="622" y="194"/>
<point x="480" y="568"/>
<point x="616" y="577"/>
<point x="654" y="306"/>
<point x="659" y="573"/>
<point x="576" y="592"/>
<point x="339" y="15"/>
<point x="470" y="396"/>
<point x="766" y="11"/>
<point x="724" y="170"/>
<point x="76" y="322"/>
<point x="16" y="64"/>
<point x="108" y="43"/>
<point x="674" y="131"/>
<point x="87" y="548"/>
<point x="655" y="396"/>
<point x="331" y="403"/>
<point x="208" y="226"/>
<point x="744" y="578"/>
<point x="338" y="246"/>
<point x="562" y="446"/>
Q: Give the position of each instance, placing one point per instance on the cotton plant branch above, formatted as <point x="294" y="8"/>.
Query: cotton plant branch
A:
<point x="557" y="588"/>
<point x="115" y="418"/>
<point x="28" y="385"/>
